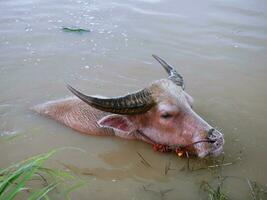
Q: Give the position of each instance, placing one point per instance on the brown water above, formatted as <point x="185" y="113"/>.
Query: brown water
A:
<point x="219" y="46"/>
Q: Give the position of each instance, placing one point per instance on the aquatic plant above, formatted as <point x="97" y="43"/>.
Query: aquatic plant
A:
<point x="17" y="179"/>
<point x="214" y="193"/>
<point x="257" y="192"/>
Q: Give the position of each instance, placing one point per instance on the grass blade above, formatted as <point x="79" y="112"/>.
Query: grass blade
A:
<point x="15" y="178"/>
<point x="43" y="192"/>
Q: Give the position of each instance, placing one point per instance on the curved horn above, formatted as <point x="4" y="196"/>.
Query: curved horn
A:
<point x="130" y="104"/>
<point x="173" y="74"/>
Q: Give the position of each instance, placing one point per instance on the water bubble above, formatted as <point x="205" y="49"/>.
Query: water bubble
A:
<point x="124" y="34"/>
<point x="28" y="29"/>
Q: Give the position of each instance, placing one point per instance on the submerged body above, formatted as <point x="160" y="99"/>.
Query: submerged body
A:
<point x="160" y="114"/>
<point x="77" y="115"/>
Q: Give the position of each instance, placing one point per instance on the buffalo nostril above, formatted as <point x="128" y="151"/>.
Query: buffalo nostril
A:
<point x="210" y="132"/>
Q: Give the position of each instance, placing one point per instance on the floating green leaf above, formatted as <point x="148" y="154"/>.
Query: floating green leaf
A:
<point x="77" y="30"/>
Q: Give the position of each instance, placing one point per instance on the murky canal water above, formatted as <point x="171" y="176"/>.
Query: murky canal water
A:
<point x="219" y="46"/>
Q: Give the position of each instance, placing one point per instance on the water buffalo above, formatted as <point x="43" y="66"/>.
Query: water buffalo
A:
<point x="160" y="114"/>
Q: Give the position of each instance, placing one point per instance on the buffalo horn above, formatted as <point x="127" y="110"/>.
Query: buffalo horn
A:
<point x="130" y="104"/>
<point x="173" y="74"/>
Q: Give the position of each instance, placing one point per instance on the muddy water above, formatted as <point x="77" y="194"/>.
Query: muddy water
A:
<point x="219" y="47"/>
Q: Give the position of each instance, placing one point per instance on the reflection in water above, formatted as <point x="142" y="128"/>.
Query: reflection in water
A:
<point x="219" y="47"/>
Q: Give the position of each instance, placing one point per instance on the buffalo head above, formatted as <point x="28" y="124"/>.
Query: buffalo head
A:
<point x="162" y="112"/>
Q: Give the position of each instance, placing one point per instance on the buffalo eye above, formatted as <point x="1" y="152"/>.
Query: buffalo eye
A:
<point x="166" y="115"/>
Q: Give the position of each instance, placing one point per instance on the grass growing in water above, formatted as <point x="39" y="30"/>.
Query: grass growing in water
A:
<point x="214" y="193"/>
<point x="257" y="191"/>
<point x="17" y="179"/>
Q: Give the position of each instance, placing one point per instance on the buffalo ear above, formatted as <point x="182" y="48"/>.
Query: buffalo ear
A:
<point x="117" y="122"/>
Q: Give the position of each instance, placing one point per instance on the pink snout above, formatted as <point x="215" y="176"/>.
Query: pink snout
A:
<point x="217" y="142"/>
<point x="211" y="146"/>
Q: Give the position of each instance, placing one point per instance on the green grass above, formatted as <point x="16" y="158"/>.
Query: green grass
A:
<point x="214" y="193"/>
<point x="18" y="179"/>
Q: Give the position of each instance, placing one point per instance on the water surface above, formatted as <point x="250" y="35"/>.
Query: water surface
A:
<point x="218" y="46"/>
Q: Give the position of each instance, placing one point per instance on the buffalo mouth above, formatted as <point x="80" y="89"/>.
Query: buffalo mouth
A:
<point x="215" y="148"/>
<point x="197" y="148"/>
